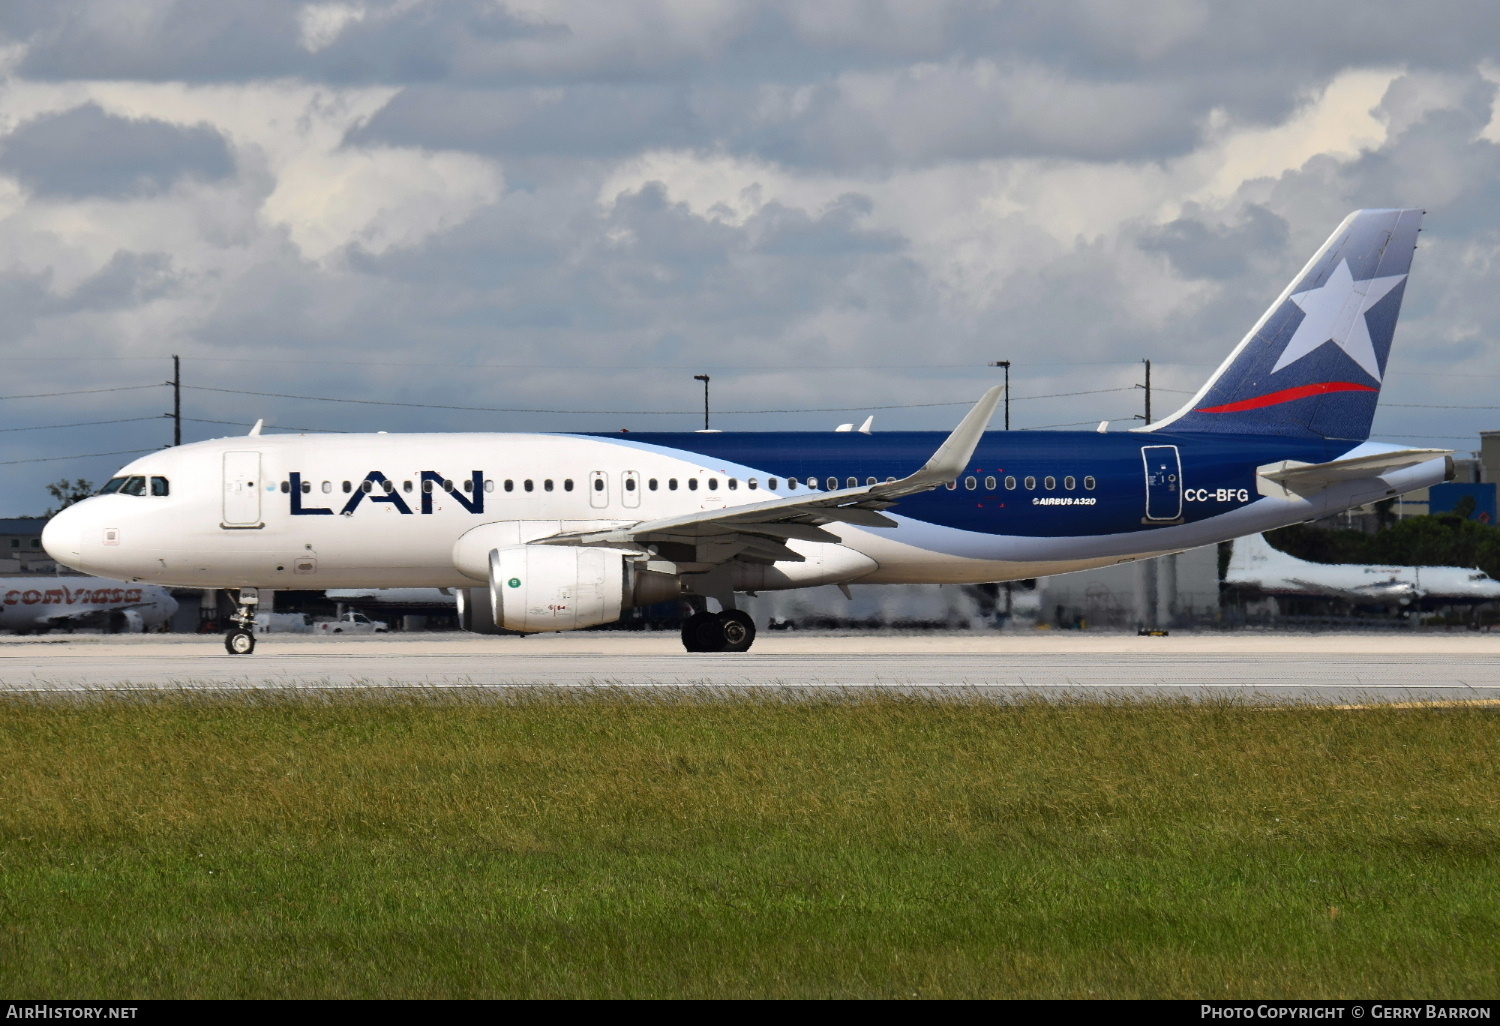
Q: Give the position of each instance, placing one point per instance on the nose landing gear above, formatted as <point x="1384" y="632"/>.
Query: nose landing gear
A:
<point x="240" y="639"/>
<point x="729" y="631"/>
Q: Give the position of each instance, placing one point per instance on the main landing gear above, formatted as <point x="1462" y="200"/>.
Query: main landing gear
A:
<point x="240" y="638"/>
<point x="729" y="631"/>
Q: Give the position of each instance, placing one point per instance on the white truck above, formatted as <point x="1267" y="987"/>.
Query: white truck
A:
<point x="351" y="623"/>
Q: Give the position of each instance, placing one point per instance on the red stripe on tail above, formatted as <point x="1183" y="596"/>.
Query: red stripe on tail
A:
<point x="1286" y="395"/>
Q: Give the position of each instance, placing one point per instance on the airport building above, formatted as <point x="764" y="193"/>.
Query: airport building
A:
<point x="21" y="549"/>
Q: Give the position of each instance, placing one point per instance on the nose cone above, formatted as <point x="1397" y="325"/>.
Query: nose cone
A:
<point x="63" y="537"/>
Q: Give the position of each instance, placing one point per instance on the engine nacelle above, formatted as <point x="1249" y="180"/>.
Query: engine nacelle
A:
<point x="557" y="587"/>
<point x="126" y="621"/>
<point x="475" y="612"/>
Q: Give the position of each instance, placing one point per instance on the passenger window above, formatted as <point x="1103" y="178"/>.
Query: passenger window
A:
<point x="952" y="485"/>
<point x="1030" y="483"/>
<point x="970" y="483"/>
<point x="469" y="485"/>
<point x="348" y="488"/>
<point x="367" y="487"/>
<point x="528" y="485"/>
<point x="510" y="485"/>
<point x="567" y="484"/>
<point x="671" y="484"/>
<point x="1070" y="483"/>
<point x="871" y="481"/>
<point x="734" y="484"/>
<point x="598" y="484"/>
<point x="489" y="485"/>
<point x="448" y="486"/>
<point x="770" y="483"/>
<point x="286" y="488"/>
<point x="651" y="484"/>
<point x="812" y="483"/>
<point x="752" y="485"/>
<point x="547" y="485"/>
<point x="306" y="486"/>
<point x="427" y="487"/>
<point x="1051" y="482"/>
<point x="692" y="484"/>
<point x="890" y="480"/>
<point x="852" y="482"/>
<point x="833" y="484"/>
<point x="1010" y="483"/>
<point x="159" y="486"/>
<point x="327" y="487"/>
<point x="791" y="484"/>
<point x="989" y="484"/>
<point x="713" y="484"/>
<point x="629" y="484"/>
<point x="1088" y="483"/>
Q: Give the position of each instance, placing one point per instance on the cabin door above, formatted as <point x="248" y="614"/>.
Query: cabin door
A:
<point x="1163" y="482"/>
<point x="242" y="486"/>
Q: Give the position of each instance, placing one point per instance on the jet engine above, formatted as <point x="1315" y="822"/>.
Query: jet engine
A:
<point x="475" y="613"/>
<point x="126" y="621"/>
<point x="559" y="587"/>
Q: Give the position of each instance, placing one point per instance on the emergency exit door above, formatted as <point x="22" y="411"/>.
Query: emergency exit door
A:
<point x="242" y="486"/>
<point x="1163" y="482"/>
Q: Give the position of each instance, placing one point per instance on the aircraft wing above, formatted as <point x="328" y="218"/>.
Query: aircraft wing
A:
<point x="1307" y="479"/>
<point x="758" y="532"/>
<point x="1395" y="591"/>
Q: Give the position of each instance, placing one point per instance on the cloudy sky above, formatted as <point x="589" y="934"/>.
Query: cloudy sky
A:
<point x="825" y="204"/>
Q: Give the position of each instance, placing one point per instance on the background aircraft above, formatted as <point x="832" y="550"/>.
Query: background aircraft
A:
<point x="559" y="532"/>
<point x="1255" y="563"/>
<point x="35" y="605"/>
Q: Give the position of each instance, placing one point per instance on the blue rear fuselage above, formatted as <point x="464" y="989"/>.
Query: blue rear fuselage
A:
<point x="1216" y="474"/>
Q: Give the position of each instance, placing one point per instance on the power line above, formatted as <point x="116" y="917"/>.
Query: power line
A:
<point x="81" y="391"/>
<point x="80" y="456"/>
<point x="81" y="423"/>
<point x="278" y="427"/>
<point x="625" y="413"/>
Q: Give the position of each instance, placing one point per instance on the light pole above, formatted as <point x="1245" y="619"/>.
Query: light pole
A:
<point x="1005" y="364"/>
<point x="704" y="378"/>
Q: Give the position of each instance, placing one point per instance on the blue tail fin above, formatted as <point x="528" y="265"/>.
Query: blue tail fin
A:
<point x="1313" y="364"/>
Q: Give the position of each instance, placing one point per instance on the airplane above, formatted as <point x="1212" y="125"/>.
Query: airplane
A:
<point x="556" y="532"/>
<point x="1254" y="563"/>
<point x="36" y="605"/>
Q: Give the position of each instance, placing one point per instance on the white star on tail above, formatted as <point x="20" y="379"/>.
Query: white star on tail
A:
<point x="1335" y="312"/>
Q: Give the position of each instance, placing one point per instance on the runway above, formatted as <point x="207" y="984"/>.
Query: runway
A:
<point x="1267" y="668"/>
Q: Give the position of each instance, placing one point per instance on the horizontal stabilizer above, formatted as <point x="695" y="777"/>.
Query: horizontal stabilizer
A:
<point x="1292" y="477"/>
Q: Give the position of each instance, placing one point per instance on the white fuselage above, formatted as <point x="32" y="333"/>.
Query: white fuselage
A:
<point x="29" y="604"/>
<point x="274" y="512"/>
<point x="1254" y="562"/>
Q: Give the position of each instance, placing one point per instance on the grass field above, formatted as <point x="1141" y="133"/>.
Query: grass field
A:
<point x="343" y="846"/>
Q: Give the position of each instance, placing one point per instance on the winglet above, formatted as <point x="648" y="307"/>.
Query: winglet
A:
<point x="258" y="425"/>
<point x="953" y="455"/>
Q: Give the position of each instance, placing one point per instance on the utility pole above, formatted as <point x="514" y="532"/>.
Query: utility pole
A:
<point x="1147" y="387"/>
<point x="176" y="400"/>
<point x="704" y="378"/>
<point x="1006" y="365"/>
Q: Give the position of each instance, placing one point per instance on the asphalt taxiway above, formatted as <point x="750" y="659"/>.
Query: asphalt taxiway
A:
<point x="1261" y="667"/>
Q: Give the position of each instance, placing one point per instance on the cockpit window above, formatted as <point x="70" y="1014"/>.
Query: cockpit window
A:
<point x="133" y="486"/>
<point x="159" y="486"/>
<point x="112" y="485"/>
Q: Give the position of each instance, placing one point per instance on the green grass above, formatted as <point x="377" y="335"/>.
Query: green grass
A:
<point x="346" y="846"/>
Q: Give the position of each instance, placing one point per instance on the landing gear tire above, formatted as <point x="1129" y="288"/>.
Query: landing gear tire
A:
<point x="702" y="632"/>
<point x="738" y="630"/>
<point x="239" y="642"/>
<point x="729" y="631"/>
